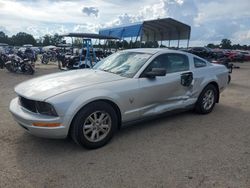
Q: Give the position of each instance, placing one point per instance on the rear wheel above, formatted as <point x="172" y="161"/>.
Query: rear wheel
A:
<point x="206" y="100"/>
<point x="28" y="69"/>
<point x="94" y="125"/>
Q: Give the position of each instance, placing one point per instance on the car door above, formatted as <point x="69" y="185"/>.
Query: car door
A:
<point x="164" y="93"/>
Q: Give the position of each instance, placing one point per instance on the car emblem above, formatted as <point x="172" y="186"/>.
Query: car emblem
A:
<point x="131" y="100"/>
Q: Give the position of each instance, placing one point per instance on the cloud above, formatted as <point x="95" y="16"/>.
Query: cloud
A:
<point x="242" y="36"/>
<point x="90" y="11"/>
<point x="222" y="19"/>
<point x="181" y="10"/>
<point x="223" y="9"/>
<point x="1" y="4"/>
<point x="211" y="20"/>
<point x="3" y="29"/>
<point x="86" y="28"/>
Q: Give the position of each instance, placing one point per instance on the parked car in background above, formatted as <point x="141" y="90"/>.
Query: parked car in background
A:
<point x="235" y="56"/>
<point x="203" y="52"/>
<point x="91" y="104"/>
<point x="246" y="55"/>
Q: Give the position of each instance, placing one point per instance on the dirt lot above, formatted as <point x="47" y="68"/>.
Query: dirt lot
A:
<point x="183" y="150"/>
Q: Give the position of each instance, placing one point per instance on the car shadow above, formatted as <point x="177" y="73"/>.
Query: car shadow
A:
<point x="174" y="132"/>
<point x="159" y="120"/>
<point x="60" y="145"/>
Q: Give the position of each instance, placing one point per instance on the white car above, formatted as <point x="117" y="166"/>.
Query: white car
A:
<point x="91" y="104"/>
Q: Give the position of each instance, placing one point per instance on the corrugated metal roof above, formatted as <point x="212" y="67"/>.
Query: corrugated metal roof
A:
<point x="152" y="30"/>
<point x="89" y="35"/>
<point x="123" y="31"/>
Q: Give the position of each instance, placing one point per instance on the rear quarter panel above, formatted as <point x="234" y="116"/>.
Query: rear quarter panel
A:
<point x="211" y="73"/>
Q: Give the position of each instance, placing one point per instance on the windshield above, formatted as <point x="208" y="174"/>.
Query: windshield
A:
<point x="124" y="64"/>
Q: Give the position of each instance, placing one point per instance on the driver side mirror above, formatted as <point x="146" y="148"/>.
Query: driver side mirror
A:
<point x="155" y="72"/>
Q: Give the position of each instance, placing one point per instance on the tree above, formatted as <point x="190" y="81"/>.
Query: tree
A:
<point x="39" y="41"/>
<point x="47" y="40"/>
<point x="211" y="45"/>
<point x="52" y="40"/>
<point x="244" y="47"/>
<point x="22" y="38"/>
<point x="3" y="38"/>
<point x="56" y="39"/>
<point x="77" y="42"/>
<point x="125" y="44"/>
<point x="226" y="44"/>
<point x="150" y="44"/>
<point x="236" y="47"/>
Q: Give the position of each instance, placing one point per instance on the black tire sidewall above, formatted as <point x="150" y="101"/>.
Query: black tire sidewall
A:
<point x="229" y="79"/>
<point x="28" y="69"/>
<point x="80" y="118"/>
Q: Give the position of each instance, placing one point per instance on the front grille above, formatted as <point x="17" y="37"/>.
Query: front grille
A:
<point x="28" y="104"/>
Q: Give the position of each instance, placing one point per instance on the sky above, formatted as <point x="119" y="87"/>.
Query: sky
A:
<point x="210" y="20"/>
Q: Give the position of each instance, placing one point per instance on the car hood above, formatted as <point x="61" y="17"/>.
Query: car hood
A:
<point x="50" y="85"/>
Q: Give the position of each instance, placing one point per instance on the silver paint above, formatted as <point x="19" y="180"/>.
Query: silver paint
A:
<point x="136" y="97"/>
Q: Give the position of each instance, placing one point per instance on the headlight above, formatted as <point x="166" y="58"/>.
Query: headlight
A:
<point x="45" y="108"/>
<point x="37" y="106"/>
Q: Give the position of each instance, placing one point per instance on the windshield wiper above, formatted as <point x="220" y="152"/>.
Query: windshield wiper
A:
<point x="106" y="70"/>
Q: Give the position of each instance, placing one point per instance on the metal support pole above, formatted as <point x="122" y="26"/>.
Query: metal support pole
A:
<point x="178" y="40"/>
<point x="83" y="44"/>
<point x="188" y="37"/>
<point x="72" y="42"/>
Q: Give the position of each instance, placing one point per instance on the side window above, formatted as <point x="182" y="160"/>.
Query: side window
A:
<point x="158" y="62"/>
<point x="199" y="63"/>
<point x="171" y="62"/>
<point x="177" y="63"/>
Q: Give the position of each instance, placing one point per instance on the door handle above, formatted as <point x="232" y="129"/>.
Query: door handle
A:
<point x="186" y="79"/>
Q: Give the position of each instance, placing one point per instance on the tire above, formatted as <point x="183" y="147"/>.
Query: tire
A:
<point x="59" y="65"/>
<point x="45" y="60"/>
<point x="53" y="59"/>
<point x="229" y="79"/>
<point x="9" y="66"/>
<point x="28" y="69"/>
<point x="83" y="66"/>
<point x="88" y="130"/>
<point x="206" y="100"/>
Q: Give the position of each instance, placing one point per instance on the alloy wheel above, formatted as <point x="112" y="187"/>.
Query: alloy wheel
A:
<point x="208" y="99"/>
<point x="97" y="126"/>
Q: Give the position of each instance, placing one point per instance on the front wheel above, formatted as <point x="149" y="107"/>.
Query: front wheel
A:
<point x="10" y="67"/>
<point x="94" y="125"/>
<point x="206" y="100"/>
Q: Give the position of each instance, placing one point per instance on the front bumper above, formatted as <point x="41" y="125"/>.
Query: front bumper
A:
<point x="26" y="119"/>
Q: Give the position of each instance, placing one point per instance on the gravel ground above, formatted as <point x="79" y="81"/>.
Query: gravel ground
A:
<point x="181" y="150"/>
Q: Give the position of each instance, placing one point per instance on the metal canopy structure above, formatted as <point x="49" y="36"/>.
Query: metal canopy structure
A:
<point x="166" y="29"/>
<point x="88" y="35"/>
<point x="3" y="44"/>
<point x="87" y="44"/>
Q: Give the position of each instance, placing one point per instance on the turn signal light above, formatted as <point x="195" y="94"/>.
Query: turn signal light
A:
<point x="46" y="124"/>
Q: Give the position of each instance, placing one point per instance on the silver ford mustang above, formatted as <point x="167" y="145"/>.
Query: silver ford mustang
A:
<point x="91" y="104"/>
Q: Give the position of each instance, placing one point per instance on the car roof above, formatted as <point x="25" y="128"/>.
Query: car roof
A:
<point x="153" y="50"/>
